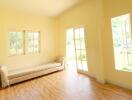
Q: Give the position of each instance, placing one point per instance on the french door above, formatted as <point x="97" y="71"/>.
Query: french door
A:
<point x="80" y="49"/>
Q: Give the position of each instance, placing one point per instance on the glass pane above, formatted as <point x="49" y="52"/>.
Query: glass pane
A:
<point x="79" y="65"/>
<point x="19" y="46"/>
<point x="83" y="44"/>
<point x="84" y="65"/>
<point x="78" y="53"/>
<point x="36" y="35"/>
<point x="13" y="41"/>
<point x="30" y="38"/>
<point x="19" y="35"/>
<point x="19" y="43"/>
<point x="30" y="46"/>
<point x="82" y="33"/>
<point x="70" y="34"/>
<point x="30" y="35"/>
<point x="13" y="50"/>
<point x="83" y="55"/>
<point x="77" y="33"/>
<point x="77" y="43"/>
<point x="36" y="45"/>
<point x="13" y="37"/>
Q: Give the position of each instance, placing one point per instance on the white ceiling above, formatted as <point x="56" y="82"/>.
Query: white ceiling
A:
<point x="43" y="7"/>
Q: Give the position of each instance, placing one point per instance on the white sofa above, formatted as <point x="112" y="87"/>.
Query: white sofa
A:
<point x="9" y="77"/>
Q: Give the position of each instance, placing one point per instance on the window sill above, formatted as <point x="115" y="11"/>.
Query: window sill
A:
<point x="34" y="52"/>
<point x="15" y="55"/>
<point x="129" y="71"/>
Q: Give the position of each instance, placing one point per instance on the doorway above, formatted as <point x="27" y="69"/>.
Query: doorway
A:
<point x="70" y="50"/>
<point x="76" y="55"/>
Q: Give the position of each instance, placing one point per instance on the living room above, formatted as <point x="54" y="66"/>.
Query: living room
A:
<point x="39" y="58"/>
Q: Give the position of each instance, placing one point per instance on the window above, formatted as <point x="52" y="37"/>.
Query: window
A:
<point x="33" y="43"/>
<point x="122" y="42"/>
<point x="80" y="48"/>
<point x="16" y="43"/>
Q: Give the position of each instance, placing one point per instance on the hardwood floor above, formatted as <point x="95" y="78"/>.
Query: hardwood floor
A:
<point x="64" y="85"/>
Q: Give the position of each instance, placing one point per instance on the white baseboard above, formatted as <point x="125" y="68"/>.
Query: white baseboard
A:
<point x="119" y="84"/>
<point x="108" y="81"/>
<point x="101" y="81"/>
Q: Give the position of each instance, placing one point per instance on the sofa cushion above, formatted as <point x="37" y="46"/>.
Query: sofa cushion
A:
<point x="21" y="72"/>
<point x="52" y="65"/>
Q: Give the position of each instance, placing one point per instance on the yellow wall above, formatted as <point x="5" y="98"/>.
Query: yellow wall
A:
<point x="12" y="21"/>
<point x="114" y="8"/>
<point x="84" y="14"/>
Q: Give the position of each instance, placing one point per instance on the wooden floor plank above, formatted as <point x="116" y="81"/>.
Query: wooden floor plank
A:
<point x="64" y="85"/>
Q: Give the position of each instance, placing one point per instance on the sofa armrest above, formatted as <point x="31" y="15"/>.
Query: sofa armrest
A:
<point x="4" y="76"/>
<point x="61" y="60"/>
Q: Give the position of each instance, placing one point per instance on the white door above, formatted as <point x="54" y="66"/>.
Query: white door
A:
<point x="76" y="55"/>
<point x="80" y="49"/>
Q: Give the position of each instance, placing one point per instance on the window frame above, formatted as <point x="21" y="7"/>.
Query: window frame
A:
<point x="130" y="26"/>
<point x="26" y="42"/>
<point x="23" y="46"/>
<point x="80" y="49"/>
